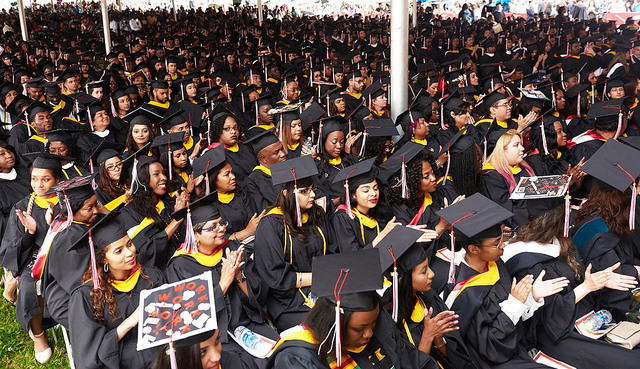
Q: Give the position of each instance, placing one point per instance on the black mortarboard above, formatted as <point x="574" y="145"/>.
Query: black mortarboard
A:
<point x="398" y="242"/>
<point x="68" y="73"/>
<point x="202" y="210"/>
<point x="209" y="161"/>
<point x="172" y="119"/>
<point x="6" y="87"/>
<point x="533" y="98"/>
<point x="311" y="114"/>
<point x="61" y="135"/>
<point x="360" y="113"/>
<point x="142" y="116"/>
<point x="606" y="110"/>
<point x="52" y="88"/>
<point x="264" y="100"/>
<point x="476" y="217"/>
<point x="159" y="84"/>
<point x="36" y="82"/>
<point x="614" y="165"/>
<point x="169" y="141"/>
<point x="37" y="107"/>
<point x="357" y="174"/>
<point x="492" y="98"/>
<point x="348" y="275"/>
<point x="262" y="139"/>
<point x="44" y="160"/>
<point x="104" y="232"/>
<point x="383" y="127"/>
<point x="293" y="170"/>
<point x="118" y="93"/>
<point x="331" y="124"/>
<point x="574" y="90"/>
<point x="401" y="157"/>
<point x="407" y="117"/>
<point x="77" y="188"/>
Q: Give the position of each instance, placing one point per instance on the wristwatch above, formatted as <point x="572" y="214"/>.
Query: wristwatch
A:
<point x="242" y="278"/>
<point x="444" y="342"/>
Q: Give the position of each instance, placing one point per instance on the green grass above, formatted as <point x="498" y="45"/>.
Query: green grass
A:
<point x="16" y="348"/>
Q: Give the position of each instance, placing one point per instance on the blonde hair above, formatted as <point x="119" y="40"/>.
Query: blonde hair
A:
<point x="499" y="161"/>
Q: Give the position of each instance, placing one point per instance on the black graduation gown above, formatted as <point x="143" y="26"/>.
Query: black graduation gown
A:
<point x="32" y="144"/>
<point x="496" y="188"/>
<point x="352" y="234"/>
<point x="96" y="345"/>
<point x="11" y="191"/>
<point x="242" y="161"/>
<point x="404" y="214"/>
<point x="233" y="309"/>
<point x="551" y="329"/>
<point x="18" y="252"/>
<point x="63" y="270"/>
<point x="236" y="212"/>
<point x="458" y="356"/>
<point x="153" y="246"/>
<point x="260" y="191"/>
<point x="327" y="172"/>
<point x="385" y="350"/>
<point x="601" y="248"/>
<point x="88" y="142"/>
<point x="492" y="339"/>
<point x="294" y="153"/>
<point x="585" y="150"/>
<point x="278" y="257"/>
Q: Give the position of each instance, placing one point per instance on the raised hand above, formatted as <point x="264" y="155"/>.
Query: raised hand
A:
<point x="617" y="281"/>
<point x="27" y="221"/>
<point x="350" y="141"/>
<point x="541" y="289"/>
<point x="521" y="289"/>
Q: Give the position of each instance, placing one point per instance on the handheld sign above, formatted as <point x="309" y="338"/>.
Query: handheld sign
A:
<point x="175" y="311"/>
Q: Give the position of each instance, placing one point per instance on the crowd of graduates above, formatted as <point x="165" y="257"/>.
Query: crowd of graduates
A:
<point x="268" y="155"/>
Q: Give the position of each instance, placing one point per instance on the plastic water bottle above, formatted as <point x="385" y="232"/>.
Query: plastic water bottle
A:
<point x="598" y="321"/>
<point x="250" y="339"/>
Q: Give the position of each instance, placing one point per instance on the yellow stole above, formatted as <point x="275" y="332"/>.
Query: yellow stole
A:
<point x="263" y="169"/>
<point x="204" y="259"/>
<point x="189" y="144"/>
<point x="233" y="148"/>
<point x="128" y="284"/>
<point x="514" y="169"/>
<point x="421" y="142"/>
<point x="294" y="146"/>
<point x="335" y="161"/>
<point x="226" y="198"/>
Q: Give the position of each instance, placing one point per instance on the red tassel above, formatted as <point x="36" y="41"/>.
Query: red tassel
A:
<point x="567" y="213"/>
<point x="619" y="129"/>
<point x="94" y="268"/>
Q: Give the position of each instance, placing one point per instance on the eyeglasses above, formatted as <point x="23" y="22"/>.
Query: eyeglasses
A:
<point x="506" y="236"/>
<point x="507" y="104"/>
<point x="217" y="226"/>
<point x="228" y="129"/>
<point x="113" y="168"/>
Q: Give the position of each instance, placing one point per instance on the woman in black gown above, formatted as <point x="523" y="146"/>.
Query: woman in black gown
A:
<point x="540" y="246"/>
<point x="105" y="320"/>
<point x="109" y="191"/>
<point x="14" y="182"/>
<point x="224" y="129"/>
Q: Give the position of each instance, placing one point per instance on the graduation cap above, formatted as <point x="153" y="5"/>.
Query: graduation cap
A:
<point x="347" y="280"/>
<point x="263" y="139"/>
<point x="476" y="218"/>
<point x="103" y="233"/>
<point x="398" y="249"/>
<point x="294" y="171"/>
<point x="208" y="162"/>
<point x="172" y="119"/>
<point x="37" y="82"/>
<point x="360" y="113"/>
<point x="397" y="163"/>
<point x="355" y="175"/>
<point x="197" y="212"/>
<point x="68" y="73"/>
<point x="615" y="166"/>
<point x="142" y="116"/>
<point x="43" y="160"/>
<point x="493" y="98"/>
<point x="78" y="189"/>
<point x="159" y="84"/>
<point x="34" y="108"/>
<point x="408" y="119"/>
<point x="311" y="114"/>
<point x="6" y="87"/>
<point x="606" y="112"/>
<point x="533" y="97"/>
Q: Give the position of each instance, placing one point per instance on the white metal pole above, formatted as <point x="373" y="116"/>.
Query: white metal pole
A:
<point x="175" y="12"/>
<point x="414" y="13"/>
<point x="399" y="56"/>
<point x="23" y="21"/>
<point x="105" y="26"/>
<point x="260" y="12"/>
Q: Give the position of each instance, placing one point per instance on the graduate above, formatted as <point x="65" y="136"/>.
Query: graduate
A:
<point x="261" y="192"/>
<point x="356" y="221"/>
<point x="100" y="121"/>
<point x="416" y="129"/>
<point x="109" y="190"/>
<point x="366" y="337"/>
<point x="208" y="249"/>
<point x="148" y="216"/>
<point x="502" y="172"/>
<point x="105" y="307"/>
<point x="422" y="317"/>
<point x="41" y="122"/>
<point x="213" y="170"/>
<point x="202" y="351"/>
<point x="293" y="231"/>
<point x="61" y="142"/>
<point x="58" y="279"/>
<point x="604" y="225"/>
<point x="377" y="142"/>
<point x="541" y="246"/>
<point x="413" y="192"/>
<point x="14" y="182"/>
<point x="490" y="304"/>
<point x="174" y="157"/>
<point x="24" y="234"/>
<point x="224" y="129"/>
<point x="139" y="136"/>
<point x="335" y="152"/>
<point x="176" y="122"/>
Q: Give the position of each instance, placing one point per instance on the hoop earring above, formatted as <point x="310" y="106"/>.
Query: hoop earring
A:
<point x="106" y="268"/>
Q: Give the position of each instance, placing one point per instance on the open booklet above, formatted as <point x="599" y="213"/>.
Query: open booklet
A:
<point x="541" y="187"/>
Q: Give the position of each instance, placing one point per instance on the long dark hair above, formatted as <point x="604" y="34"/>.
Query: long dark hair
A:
<point x="142" y="198"/>
<point x="551" y="137"/>
<point x="130" y="143"/>
<point x="215" y="129"/>
<point x="106" y="184"/>
<point x="414" y="177"/>
<point x="287" y="204"/>
<point x="321" y="319"/>
<point x="186" y="357"/>
<point x="613" y="206"/>
<point x="176" y="183"/>
<point x="547" y="227"/>
<point x="464" y="170"/>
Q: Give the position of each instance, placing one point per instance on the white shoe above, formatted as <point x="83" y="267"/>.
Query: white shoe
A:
<point x="42" y="356"/>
